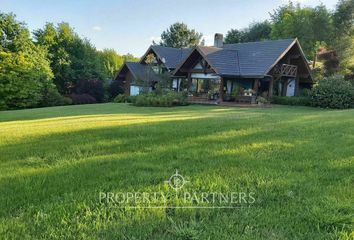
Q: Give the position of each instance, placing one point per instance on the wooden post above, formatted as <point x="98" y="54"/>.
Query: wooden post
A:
<point x="189" y="82"/>
<point x="256" y="85"/>
<point x="221" y="89"/>
<point x="270" y="90"/>
<point x="285" y="87"/>
<point x="297" y="83"/>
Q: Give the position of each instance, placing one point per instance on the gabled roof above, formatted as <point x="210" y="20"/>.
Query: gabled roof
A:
<point x="253" y="59"/>
<point x="256" y="58"/>
<point x="138" y="71"/>
<point x="172" y="56"/>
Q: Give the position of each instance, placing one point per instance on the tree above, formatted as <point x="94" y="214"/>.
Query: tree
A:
<point x="257" y="31"/>
<point x="309" y="25"/>
<point x="112" y="61"/>
<point x="178" y="35"/>
<point x="343" y="44"/>
<point x="71" y="58"/>
<point x="234" y="36"/>
<point x="24" y="71"/>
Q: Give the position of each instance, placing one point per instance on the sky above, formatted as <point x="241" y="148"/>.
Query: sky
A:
<point x="129" y="26"/>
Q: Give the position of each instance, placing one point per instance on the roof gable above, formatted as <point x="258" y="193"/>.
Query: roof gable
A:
<point x="138" y="71"/>
<point x="256" y="58"/>
<point x="170" y="57"/>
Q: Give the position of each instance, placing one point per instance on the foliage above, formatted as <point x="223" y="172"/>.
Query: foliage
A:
<point x="51" y="97"/>
<point x="82" y="98"/>
<point x="116" y="87"/>
<point x="256" y="31"/>
<point x="293" y="101"/>
<point x="112" y="61"/>
<point x="24" y="69"/>
<point x="72" y="58"/>
<point x="92" y="87"/>
<point x="120" y="98"/>
<point x="309" y="25"/>
<point x="261" y="100"/>
<point x="178" y="35"/>
<point x="168" y="99"/>
<point x="333" y="92"/>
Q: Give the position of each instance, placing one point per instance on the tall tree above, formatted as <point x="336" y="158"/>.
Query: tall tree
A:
<point x="112" y="61"/>
<point x="343" y="44"/>
<point x="309" y="25"/>
<point x="72" y="58"/>
<point x="258" y="31"/>
<point x="24" y="71"/>
<point x="234" y="36"/>
<point x="178" y="35"/>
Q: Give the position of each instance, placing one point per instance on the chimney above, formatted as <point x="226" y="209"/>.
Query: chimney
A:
<point x="218" y="40"/>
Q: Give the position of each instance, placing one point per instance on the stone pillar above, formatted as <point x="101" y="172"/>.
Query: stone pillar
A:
<point x="270" y="90"/>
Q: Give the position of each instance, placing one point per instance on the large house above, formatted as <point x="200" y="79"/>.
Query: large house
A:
<point x="224" y="71"/>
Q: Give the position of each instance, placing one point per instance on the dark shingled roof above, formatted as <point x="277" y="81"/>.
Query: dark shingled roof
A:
<point x="172" y="56"/>
<point x="255" y="58"/>
<point x="252" y="59"/>
<point x="139" y="71"/>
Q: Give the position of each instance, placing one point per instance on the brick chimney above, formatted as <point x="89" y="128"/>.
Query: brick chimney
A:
<point x="218" y="40"/>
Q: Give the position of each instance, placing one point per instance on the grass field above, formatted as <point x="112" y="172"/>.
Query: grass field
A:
<point x="54" y="162"/>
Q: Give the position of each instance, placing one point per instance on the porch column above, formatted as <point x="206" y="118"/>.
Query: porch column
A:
<point x="189" y="78"/>
<point x="270" y="90"/>
<point x="256" y="85"/>
<point x="285" y="87"/>
<point x="221" y="89"/>
<point x="297" y="83"/>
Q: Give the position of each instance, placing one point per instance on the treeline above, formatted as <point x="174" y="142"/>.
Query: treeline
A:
<point x="318" y="30"/>
<point x="324" y="35"/>
<point x="55" y="67"/>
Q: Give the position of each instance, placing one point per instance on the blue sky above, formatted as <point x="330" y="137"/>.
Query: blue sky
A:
<point x="130" y="25"/>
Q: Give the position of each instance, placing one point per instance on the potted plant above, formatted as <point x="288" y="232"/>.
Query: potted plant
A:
<point x="261" y="100"/>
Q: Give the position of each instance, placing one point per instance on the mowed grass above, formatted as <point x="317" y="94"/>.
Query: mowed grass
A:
<point x="298" y="161"/>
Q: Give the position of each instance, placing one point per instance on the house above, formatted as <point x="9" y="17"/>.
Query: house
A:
<point x="165" y="60"/>
<point x="226" y="72"/>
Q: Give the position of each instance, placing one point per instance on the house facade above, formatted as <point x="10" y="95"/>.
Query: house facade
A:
<point x="226" y="72"/>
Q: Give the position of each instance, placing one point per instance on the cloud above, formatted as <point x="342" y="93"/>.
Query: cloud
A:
<point x="155" y="39"/>
<point x="97" y="28"/>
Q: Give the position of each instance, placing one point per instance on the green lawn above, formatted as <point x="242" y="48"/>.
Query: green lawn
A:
<point x="298" y="161"/>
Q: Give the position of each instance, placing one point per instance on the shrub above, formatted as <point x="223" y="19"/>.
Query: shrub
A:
<point x="293" y="101"/>
<point x="82" y="99"/>
<point x="92" y="87"/>
<point x="261" y="100"/>
<point x="120" y="98"/>
<point x="115" y="88"/>
<point x="67" y="101"/>
<point x="51" y="97"/>
<point x="168" y="99"/>
<point x="333" y="92"/>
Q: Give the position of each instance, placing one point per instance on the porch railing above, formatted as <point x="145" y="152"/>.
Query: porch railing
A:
<point x="285" y="70"/>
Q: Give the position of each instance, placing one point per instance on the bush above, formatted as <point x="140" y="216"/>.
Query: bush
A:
<point x="293" y="101"/>
<point x="120" y="98"/>
<point x="261" y="100"/>
<point x="82" y="99"/>
<point x="67" y="101"/>
<point x="333" y="92"/>
<point x="92" y="87"/>
<point x="116" y="87"/>
<point x="51" y="97"/>
<point x="168" y="99"/>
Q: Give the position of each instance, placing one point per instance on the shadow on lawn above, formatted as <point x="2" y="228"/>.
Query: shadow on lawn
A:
<point x="290" y="170"/>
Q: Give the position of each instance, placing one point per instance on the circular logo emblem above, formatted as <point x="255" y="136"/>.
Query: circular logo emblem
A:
<point x="176" y="181"/>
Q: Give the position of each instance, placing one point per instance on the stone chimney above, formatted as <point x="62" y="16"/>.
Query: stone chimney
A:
<point x="218" y="40"/>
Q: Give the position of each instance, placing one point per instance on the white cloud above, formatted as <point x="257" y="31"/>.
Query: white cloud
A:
<point x="97" y="28"/>
<point x="155" y="39"/>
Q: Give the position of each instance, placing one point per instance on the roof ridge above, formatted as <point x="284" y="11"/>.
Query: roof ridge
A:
<point x="275" y="40"/>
